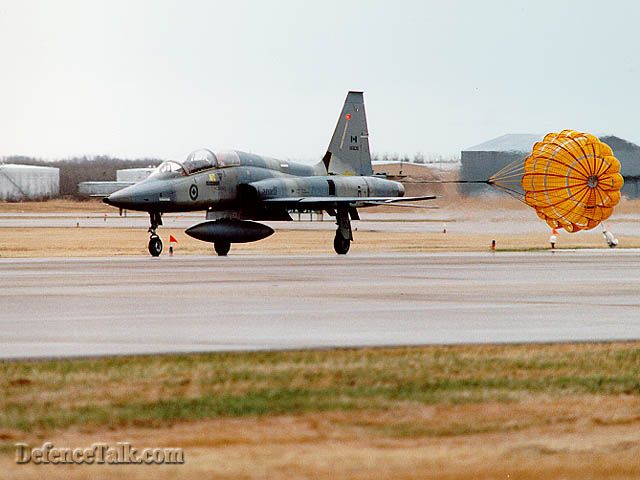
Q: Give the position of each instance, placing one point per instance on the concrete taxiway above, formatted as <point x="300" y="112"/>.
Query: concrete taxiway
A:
<point x="89" y="306"/>
<point x="428" y="221"/>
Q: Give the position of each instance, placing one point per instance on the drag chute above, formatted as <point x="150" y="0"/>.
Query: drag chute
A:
<point x="571" y="179"/>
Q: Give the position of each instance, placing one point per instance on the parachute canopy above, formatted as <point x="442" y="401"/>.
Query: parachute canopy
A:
<point x="571" y="179"/>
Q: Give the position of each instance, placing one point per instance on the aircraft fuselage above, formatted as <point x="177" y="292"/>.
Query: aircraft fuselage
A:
<point x="243" y="178"/>
<point x="236" y="188"/>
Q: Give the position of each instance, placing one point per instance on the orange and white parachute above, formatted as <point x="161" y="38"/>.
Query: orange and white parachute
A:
<point x="571" y="179"/>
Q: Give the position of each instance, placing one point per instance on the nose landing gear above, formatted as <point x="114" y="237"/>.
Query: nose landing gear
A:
<point x="155" y="244"/>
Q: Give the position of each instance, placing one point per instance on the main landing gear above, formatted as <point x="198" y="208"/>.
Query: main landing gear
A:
<point x="344" y="236"/>
<point x="155" y="244"/>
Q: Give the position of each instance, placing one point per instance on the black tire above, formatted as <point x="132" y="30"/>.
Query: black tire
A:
<point x="222" y="248"/>
<point x="340" y="244"/>
<point x="155" y="246"/>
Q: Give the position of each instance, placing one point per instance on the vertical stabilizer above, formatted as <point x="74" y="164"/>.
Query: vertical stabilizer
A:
<point x="348" y="152"/>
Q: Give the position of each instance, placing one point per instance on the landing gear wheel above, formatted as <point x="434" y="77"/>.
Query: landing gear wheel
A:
<point x="340" y="244"/>
<point x="222" y="248"/>
<point x="155" y="246"/>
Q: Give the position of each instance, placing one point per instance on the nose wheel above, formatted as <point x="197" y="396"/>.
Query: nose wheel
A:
<point x="155" y="244"/>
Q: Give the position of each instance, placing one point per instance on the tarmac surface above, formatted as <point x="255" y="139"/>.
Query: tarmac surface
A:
<point x="489" y="222"/>
<point x="122" y="305"/>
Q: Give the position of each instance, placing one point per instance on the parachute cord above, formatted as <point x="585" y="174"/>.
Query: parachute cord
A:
<point x="512" y="193"/>
<point x="509" y="168"/>
<point x="509" y="191"/>
<point x="449" y="181"/>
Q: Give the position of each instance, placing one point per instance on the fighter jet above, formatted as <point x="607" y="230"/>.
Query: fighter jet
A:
<point x="235" y="188"/>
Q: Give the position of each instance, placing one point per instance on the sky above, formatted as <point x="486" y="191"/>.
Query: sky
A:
<point x="162" y="78"/>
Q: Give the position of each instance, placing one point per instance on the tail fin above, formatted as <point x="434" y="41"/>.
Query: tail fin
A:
<point x="348" y="152"/>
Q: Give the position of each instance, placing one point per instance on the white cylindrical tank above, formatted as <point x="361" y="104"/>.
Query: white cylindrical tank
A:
<point x="133" y="174"/>
<point x="28" y="182"/>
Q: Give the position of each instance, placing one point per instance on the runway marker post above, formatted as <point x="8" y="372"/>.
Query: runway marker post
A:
<point x="172" y="241"/>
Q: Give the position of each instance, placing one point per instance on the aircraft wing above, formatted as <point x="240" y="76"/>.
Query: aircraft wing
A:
<point x="396" y="204"/>
<point x="351" y="201"/>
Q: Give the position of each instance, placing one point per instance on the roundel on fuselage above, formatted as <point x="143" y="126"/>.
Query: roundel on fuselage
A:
<point x="193" y="192"/>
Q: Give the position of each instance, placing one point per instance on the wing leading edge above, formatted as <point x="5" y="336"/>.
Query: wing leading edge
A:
<point x="350" y="201"/>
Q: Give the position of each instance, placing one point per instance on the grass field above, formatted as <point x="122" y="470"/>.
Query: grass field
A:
<point x="530" y="411"/>
<point x="105" y="241"/>
<point x="92" y="205"/>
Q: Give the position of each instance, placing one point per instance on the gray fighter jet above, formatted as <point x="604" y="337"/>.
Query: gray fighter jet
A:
<point x="235" y="188"/>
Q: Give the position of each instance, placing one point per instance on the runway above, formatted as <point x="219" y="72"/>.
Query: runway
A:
<point x="122" y="305"/>
<point x="428" y="221"/>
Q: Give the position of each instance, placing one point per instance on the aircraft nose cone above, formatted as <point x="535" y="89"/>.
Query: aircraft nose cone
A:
<point x="143" y="196"/>
<point x="114" y="199"/>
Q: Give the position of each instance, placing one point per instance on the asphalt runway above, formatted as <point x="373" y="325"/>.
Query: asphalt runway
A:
<point x="428" y="221"/>
<point x="89" y="306"/>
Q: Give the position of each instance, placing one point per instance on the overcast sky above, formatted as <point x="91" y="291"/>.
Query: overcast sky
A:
<point x="162" y="78"/>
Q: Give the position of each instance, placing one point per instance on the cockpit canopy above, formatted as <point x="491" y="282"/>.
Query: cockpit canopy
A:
<point x="200" y="160"/>
<point x="169" y="167"/>
<point x="197" y="161"/>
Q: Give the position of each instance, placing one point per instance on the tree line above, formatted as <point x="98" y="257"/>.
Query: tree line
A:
<point x="419" y="157"/>
<point x="103" y="167"/>
<point x="84" y="169"/>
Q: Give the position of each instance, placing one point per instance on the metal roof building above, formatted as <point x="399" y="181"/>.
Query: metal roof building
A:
<point x="124" y="178"/>
<point x="133" y="174"/>
<point x="481" y="161"/>
<point x="28" y="182"/>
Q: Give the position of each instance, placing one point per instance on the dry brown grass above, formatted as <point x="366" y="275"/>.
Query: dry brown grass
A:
<point x="91" y="242"/>
<point x="39" y="242"/>
<point x="583" y="423"/>
<point x="572" y="438"/>
<point x="56" y="206"/>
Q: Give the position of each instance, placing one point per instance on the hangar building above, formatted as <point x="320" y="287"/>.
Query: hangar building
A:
<point x="481" y="161"/>
<point x="133" y="174"/>
<point x="28" y="182"/>
<point x="124" y="178"/>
